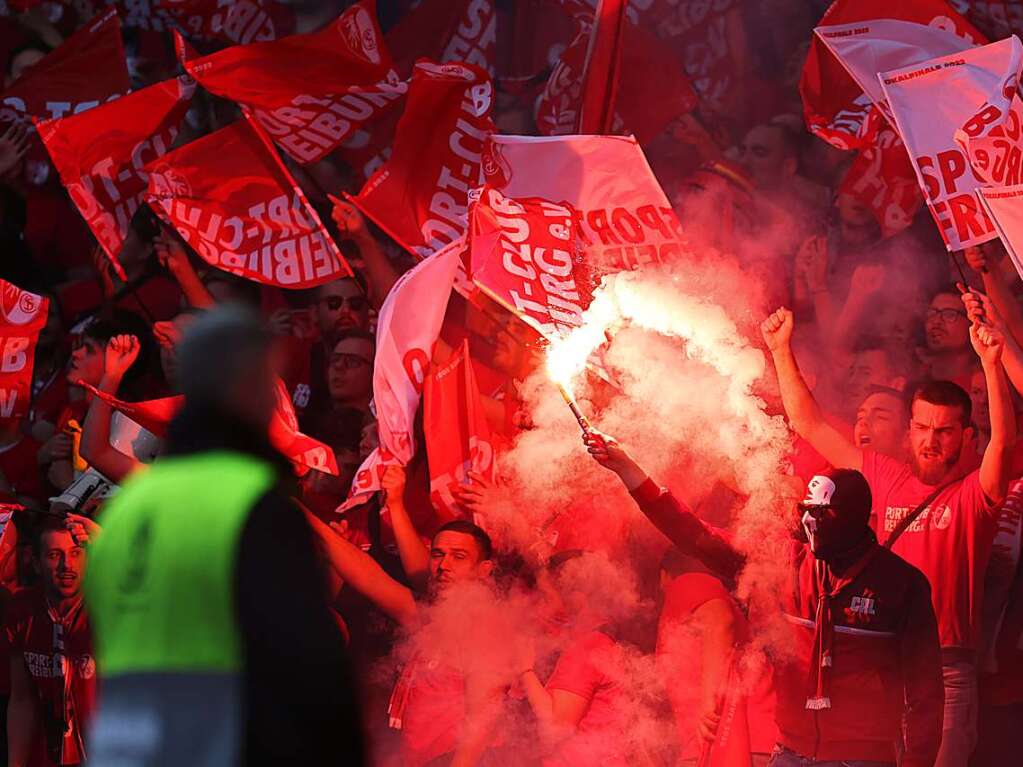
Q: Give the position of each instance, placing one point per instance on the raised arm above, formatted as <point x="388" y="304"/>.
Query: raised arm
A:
<point x="359" y="570"/>
<point x="382" y="274"/>
<point x="121" y="353"/>
<point x="995" y="468"/>
<point x="174" y="258"/>
<point x="675" y="521"/>
<point x="997" y="287"/>
<point x="415" y="556"/>
<point x="802" y="409"/>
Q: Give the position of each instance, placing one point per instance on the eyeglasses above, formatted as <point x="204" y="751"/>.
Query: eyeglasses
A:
<point x="948" y="316"/>
<point x="348" y="361"/>
<point x="355" y="303"/>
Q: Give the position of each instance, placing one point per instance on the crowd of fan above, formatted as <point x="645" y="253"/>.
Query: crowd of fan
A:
<point x="901" y="376"/>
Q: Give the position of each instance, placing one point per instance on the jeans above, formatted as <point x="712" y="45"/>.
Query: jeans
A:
<point x="959" y="733"/>
<point x="782" y="757"/>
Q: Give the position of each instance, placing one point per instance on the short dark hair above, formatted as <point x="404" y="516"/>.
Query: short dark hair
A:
<point x="44" y="523"/>
<point x="947" y="394"/>
<point x="948" y="289"/>
<point x="895" y="358"/>
<point x="347" y="333"/>
<point x="900" y="396"/>
<point x="466" y="527"/>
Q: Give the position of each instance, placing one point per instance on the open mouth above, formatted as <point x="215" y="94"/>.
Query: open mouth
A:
<point x="863" y="440"/>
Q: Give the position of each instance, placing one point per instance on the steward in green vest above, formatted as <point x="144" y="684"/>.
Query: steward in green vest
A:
<point x="214" y="640"/>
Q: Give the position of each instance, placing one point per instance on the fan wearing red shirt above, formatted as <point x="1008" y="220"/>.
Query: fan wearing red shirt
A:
<point x="581" y="710"/>
<point x="699" y="626"/>
<point x="53" y="673"/>
<point x="444" y="703"/>
<point x="950" y="539"/>
<point x="862" y="684"/>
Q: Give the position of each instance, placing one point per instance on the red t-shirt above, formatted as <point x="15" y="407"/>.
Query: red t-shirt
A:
<point x="950" y="542"/>
<point x="51" y="648"/>
<point x="433" y="717"/>
<point x="587" y="668"/>
<point x="678" y="653"/>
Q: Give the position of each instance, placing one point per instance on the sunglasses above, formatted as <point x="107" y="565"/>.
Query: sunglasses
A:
<point x="348" y="361"/>
<point x="355" y="303"/>
<point x="814" y="509"/>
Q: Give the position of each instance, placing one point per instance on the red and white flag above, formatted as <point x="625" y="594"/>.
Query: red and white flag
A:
<point x="865" y="48"/>
<point x="525" y="253"/>
<point x="945" y="107"/>
<point x="88" y="69"/>
<point x="420" y="195"/>
<point x="234" y="202"/>
<point x="605" y="71"/>
<point x="304" y="452"/>
<point x="446" y="31"/>
<point x="309" y="92"/>
<point x="234" y="21"/>
<point x="101" y="155"/>
<point x="834" y="103"/>
<point x="407" y="330"/>
<point x="457" y="433"/>
<point x="623" y="217"/>
<point x="1004" y="206"/>
<point x="22" y="316"/>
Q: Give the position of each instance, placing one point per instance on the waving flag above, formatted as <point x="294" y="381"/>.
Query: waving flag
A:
<point x="101" y="155"/>
<point x="88" y="69"/>
<point x="624" y="220"/>
<point x="834" y="103"/>
<point x="947" y="110"/>
<point x="525" y="253"/>
<point x="22" y="316"/>
<point x="308" y="92"/>
<point x="420" y="195"/>
<point x="304" y="452"/>
<point x="446" y="31"/>
<point x="233" y="201"/>
<point x="234" y="21"/>
<point x="407" y="330"/>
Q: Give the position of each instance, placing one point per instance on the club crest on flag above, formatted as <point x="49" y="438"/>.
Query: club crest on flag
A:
<point x="360" y="33"/>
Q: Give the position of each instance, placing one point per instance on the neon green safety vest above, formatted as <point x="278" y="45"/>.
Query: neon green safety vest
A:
<point x="160" y="579"/>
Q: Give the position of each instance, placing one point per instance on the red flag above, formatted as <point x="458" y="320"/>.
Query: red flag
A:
<point x="85" y="71"/>
<point x="444" y="31"/>
<point x="834" y="105"/>
<point x="525" y="253"/>
<point x="603" y="68"/>
<point x="624" y="220"/>
<point x="407" y="330"/>
<point x="457" y="434"/>
<point x="305" y="453"/>
<point x="232" y="200"/>
<point x="882" y="178"/>
<point x="23" y="316"/>
<point x="642" y="105"/>
<point x="309" y="92"/>
<point x="153" y="415"/>
<point x="234" y="21"/>
<point x="101" y="155"/>
<point x="420" y="195"/>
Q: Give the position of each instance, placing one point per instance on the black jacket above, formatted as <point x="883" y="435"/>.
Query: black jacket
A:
<point x="301" y="699"/>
